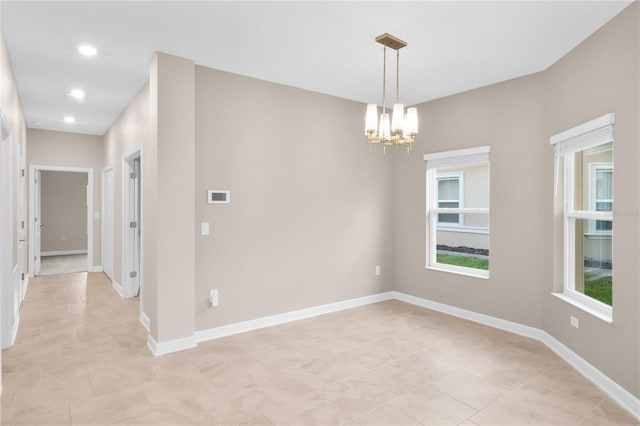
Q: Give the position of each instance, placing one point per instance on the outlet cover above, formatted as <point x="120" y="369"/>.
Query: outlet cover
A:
<point x="213" y="297"/>
<point x="575" y="322"/>
<point x="377" y="269"/>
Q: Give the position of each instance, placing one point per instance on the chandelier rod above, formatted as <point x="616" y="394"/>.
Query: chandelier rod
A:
<point x="398" y="76"/>
<point x="384" y="79"/>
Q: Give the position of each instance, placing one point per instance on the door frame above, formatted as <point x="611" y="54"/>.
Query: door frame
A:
<point x="89" y="171"/>
<point x="9" y="314"/>
<point x="103" y="224"/>
<point x="128" y="289"/>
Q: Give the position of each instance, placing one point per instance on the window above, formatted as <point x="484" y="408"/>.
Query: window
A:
<point x="458" y="211"/>
<point x="600" y="195"/>
<point x="586" y="153"/>
<point x="449" y="195"/>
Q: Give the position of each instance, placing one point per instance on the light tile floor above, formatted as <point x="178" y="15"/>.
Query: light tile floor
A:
<point x="81" y="358"/>
<point x="50" y="265"/>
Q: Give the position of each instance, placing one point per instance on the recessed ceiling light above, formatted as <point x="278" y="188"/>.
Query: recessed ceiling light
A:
<point x="76" y="93"/>
<point x="87" y="50"/>
<point x="69" y="119"/>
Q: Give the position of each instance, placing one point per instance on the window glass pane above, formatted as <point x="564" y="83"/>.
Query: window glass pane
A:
<point x="604" y="183"/>
<point x="593" y="177"/>
<point x="448" y="189"/>
<point x="448" y="217"/>
<point x="593" y="262"/>
<point x="461" y="247"/>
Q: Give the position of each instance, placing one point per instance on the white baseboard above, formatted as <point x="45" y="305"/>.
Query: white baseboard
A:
<point x="14" y="331"/>
<point x="244" y="326"/>
<point x="170" y="346"/>
<point x="145" y="321"/>
<point x="26" y="284"/>
<point x="95" y="268"/>
<point x="616" y="392"/>
<point x="117" y="287"/>
<point x="62" y="252"/>
<point x="512" y="327"/>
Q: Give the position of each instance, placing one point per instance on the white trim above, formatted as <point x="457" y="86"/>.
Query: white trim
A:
<point x="90" y="195"/>
<point x="103" y="230"/>
<point x="584" y="128"/>
<point x="458" y="153"/>
<point x="145" y="321"/>
<point x="62" y="252"/>
<point x="513" y="327"/>
<point x="26" y="285"/>
<point x="586" y="303"/>
<point x="170" y="346"/>
<point x="460" y="270"/>
<point x="255" y="324"/>
<point x="117" y="287"/>
<point x="95" y="268"/>
<point x="616" y="392"/>
<point x="612" y="389"/>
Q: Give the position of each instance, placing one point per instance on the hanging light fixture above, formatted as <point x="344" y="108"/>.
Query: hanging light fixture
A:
<point x="399" y="129"/>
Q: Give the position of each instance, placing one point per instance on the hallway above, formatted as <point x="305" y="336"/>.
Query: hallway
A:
<point x="81" y="358"/>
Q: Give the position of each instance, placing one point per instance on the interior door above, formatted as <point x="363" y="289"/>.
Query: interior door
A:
<point x="137" y="229"/>
<point x="38" y="223"/>
<point x="107" y="223"/>
<point x="20" y="230"/>
<point x="132" y="243"/>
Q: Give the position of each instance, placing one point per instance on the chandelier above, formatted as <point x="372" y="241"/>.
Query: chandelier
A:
<point x="400" y="129"/>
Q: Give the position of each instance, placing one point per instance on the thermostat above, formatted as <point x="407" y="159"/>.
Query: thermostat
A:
<point x="215" y="196"/>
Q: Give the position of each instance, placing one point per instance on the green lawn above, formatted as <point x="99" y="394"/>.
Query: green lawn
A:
<point x="598" y="288"/>
<point x="465" y="261"/>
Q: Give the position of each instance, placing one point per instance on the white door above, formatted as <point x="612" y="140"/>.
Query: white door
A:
<point x="20" y="230"/>
<point x="38" y="223"/>
<point x="107" y="222"/>
<point x="133" y="226"/>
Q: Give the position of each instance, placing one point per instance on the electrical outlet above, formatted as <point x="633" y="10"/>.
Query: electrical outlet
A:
<point x="378" y="270"/>
<point x="204" y="228"/>
<point x="575" y="322"/>
<point x="213" y="297"/>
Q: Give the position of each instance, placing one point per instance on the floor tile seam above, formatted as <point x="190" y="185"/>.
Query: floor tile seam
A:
<point x="453" y="398"/>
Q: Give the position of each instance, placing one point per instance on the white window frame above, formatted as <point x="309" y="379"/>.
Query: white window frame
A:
<point x="449" y="159"/>
<point x="448" y="176"/>
<point x="588" y="135"/>
<point x="593" y="200"/>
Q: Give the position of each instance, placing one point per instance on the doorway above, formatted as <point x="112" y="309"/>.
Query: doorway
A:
<point x="132" y="225"/>
<point x="107" y="222"/>
<point x="67" y="248"/>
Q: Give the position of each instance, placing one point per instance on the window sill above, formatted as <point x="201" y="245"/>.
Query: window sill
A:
<point x="467" y="272"/>
<point x="462" y="229"/>
<point x="604" y="316"/>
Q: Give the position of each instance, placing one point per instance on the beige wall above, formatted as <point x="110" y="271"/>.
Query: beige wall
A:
<point x="128" y="133"/>
<point x="62" y="149"/>
<point x="172" y="88"/>
<point x="64" y="211"/>
<point x="509" y="118"/>
<point x="600" y="76"/>
<point x="310" y="214"/>
<point x="516" y="118"/>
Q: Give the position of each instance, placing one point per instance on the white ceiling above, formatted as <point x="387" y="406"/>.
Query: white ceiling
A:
<point x="325" y="46"/>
